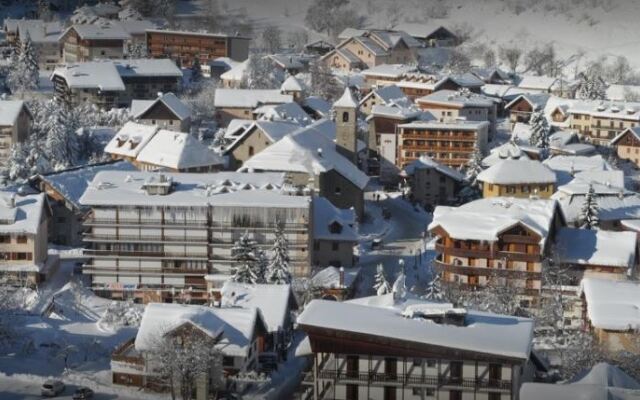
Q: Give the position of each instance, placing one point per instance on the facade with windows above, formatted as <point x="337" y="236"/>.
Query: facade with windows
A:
<point x="154" y="237"/>
<point x="601" y="123"/>
<point x="417" y="351"/>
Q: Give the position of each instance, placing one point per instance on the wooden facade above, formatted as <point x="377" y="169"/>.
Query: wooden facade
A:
<point x="627" y="146"/>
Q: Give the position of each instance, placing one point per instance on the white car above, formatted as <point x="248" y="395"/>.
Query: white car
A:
<point x="52" y="388"/>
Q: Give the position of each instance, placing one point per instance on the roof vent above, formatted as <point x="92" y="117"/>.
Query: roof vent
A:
<point x="615" y="109"/>
<point x="601" y="107"/>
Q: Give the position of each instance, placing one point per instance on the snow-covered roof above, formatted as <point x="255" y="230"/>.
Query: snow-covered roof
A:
<point x="289" y="112"/>
<point x="464" y="125"/>
<point x="326" y="214"/>
<point x="236" y="73"/>
<point x="607" y="109"/>
<point x="346" y="100"/>
<point x="102" y="75"/>
<point x="466" y="80"/>
<point x="252" y="190"/>
<point x="537" y="82"/>
<point x="131" y="139"/>
<point x="319" y="105"/>
<point x="10" y="111"/>
<point x="486" y="73"/>
<point x="147" y="67"/>
<point x="602" y="182"/>
<point x="71" y="183"/>
<point x="249" y="98"/>
<point x="402" y="113"/>
<point x="274" y="130"/>
<point x="99" y="31"/>
<point x="566" y="166"/>
<point x="291" y="84"/>
<point x="426" y="162"/>
<point x="273" y="301"/>
<point x="424" y="29"/>
<point x="602" y="381"/>
<point x="485" y="219"/>
<point x="517" y="171"/>
<point x="310" y="150"/>
<point x="504" y="151"/>
<point x="236" y="325"/>
<point x="170" y="100"/>
<point x="329" y="278"/>
<point x="177" y="150"/>
<point x="455" y="98"/>
<point x="538" y="101"/>
<point x="20" y="214"/>
<point x="610" y="207"/>
<point x="485" y="333"/>
<point x="134" y="27"/>
<point x="596" y="247"/>
<point x="40" y="31"/>
<point x="612" y="304"/>
<point x="389" y="70"/>
<point x="389" y="95"/>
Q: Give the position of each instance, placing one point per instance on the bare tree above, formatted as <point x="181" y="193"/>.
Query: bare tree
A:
<point x="298" y="39"/>
<point x="271" y="39"/>
<point x="332" y="16"/>
<point x="510" y="56"/>
<point x="489" y="59"/>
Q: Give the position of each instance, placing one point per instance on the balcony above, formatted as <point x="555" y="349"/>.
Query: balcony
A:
<point x="413" y="380"/>
<point x="154" y="254"/>
<point x="484" y="271"/>
<point x="142" y="222"/>
<point x="89" y="237"/>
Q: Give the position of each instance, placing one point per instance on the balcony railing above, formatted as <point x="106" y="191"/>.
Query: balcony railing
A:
<point x="90" y="237"/>
<point x="123" y="253"/>
<point x="406" y="379"/>
<point x="151" y="222"/>
<point x="485" y="271"/>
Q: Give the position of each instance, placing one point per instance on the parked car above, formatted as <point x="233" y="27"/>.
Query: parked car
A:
<point x="83" y="393"/>
<point x="52" y="388"/>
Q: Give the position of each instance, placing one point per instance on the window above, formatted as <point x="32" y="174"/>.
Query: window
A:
<point x="5" y="239"/>
<point x="22" y="239"/>
<point x="417" y="362"/>
<point x="251" y="151"/>
<point x="431" y="363"/>
<point x="227" y="361"/>
<point x="389" y="393"/>
<point x="455" y="395"/>
<point x="494" y="396"/>
<point x="345" y="116"/>
<point x="334" y="246"/>
<point x="352" y="366"/>
<point x="430" y="392"/>
<point x="416" y="391"/>
<point x="338" y="191"/>
<point x="352" y="392"/>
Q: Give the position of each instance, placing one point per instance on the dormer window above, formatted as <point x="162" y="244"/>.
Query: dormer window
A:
<point x="335" y="227"/>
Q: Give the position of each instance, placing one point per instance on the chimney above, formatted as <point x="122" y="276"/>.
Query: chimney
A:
<point x="319" y="150"/>
<point x="341" y="277"/>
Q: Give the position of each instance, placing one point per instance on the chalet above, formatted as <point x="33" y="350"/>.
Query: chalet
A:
<point x="450" y="143"/>
<point x="276" y="303"/>
<point x="311" y="159"/>
<point x="431" y="34"/>
<point x="517" y="178"/>
<point x="249" y="140"/>
<point x="177" y="152"/>
<point x="546" y="84"/>
<point x="385" y="96"/>
<point x="452" y="106"/>
<point x="82" y="43"/>
<point x="44" y="38"/>
<point x="505" y="237"/>
<point x="63" y="190"/>
<point x="240" y="103"/>
<point x="382" y="347"/>
<point x="182" y="47"/>
<point x="521" y="108"/>
<point x="432" y="183"/>
<point x="335" y="235"/>
<point x="627" y="145"/>
<point x="15" y="126"/>
<point x="115" y="83"/>
<point x="235" y="76"/>
<point x="597" y="253"/>
<point x="366" y="49"/>
<point x="238" y="333"/>
<point x="610" y="312"/>
<point x="23" y="240"/>
<point x="166" y="112"/>
<point x="335" y="284"/>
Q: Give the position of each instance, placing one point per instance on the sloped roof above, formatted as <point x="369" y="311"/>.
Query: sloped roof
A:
<point x="249" y="98"/>
<point x="449" y="97"/>
<point x="106" y="31"/>
<point x="130" y="139"/>
<point x="173" y="103"/>
<point x="10" y="111"/>
<point x="537" y="82"/>
<point x="177" y="150"/>
<point x="102" y="75"/>
<point x="596" y="247"/>
<point x="537" y="101"/>
<point x="612" y="305"/>
<point x="291" y="84"/>
<point x="289" y="112"/>
<point x="24" y="215"/>
<point x="325" y="214"/>
<point x="390" y="95"/>
<point x="425" y="162"/>
<point x="517" y="171"/>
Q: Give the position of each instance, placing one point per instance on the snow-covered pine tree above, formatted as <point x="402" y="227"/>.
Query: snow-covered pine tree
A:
<point x="278" y="269"/>
<point x="261" y="73"/>
<point x="539" y="130"/>
<point x="399" y="288"/>
<point x="434" y="289"/>
<point x="473" y="168"/>
<point x="592" y="87"/>
<point x="196" y="69"/>
<point x="24" y="73"/>
<point x="62" y="143"/>
<point x="244" y="252"/>
<point x="381" y="285"/>
<point x="589" y="211"/>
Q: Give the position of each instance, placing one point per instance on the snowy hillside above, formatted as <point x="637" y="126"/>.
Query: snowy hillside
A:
<point x="596" y="27"/>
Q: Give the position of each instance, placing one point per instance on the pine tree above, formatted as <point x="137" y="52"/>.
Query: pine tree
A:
<point x="278" y="269"/>
<point x="399" y="288"/>
<point x="539" y="130"/>
<point x="23" y="73"/>
<point x="592" y="87"/>
<point x="434" y="290"/>
<point x="244" y="252"/>
<point x="196" y="70"/>
<point x="473" y="168"/>
<point x="381" y="284"/>
<point x="589" y="211"/>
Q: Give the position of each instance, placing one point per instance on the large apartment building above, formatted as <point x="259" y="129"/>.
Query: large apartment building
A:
<point x="390" y="348"/>
<point x="155" y="237"/>
<point x="602" y="122"/>
<point x="449" y="143"/>
<point x="182" y="47"/>
<point x="115" y="83"/>
<point x="504" y="238"/>
<point x="93" y="41"/>
<point x="452" y="105"/>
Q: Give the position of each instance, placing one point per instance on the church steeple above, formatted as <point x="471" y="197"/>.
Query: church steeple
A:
<point x="345" y="110"/>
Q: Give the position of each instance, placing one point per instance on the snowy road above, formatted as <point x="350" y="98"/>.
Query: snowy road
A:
<point x="14" y="389"/>
<point x="403" y="241"/>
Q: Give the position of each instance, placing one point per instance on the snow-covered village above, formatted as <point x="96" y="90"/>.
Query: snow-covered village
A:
<point x="320" y="199"/>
